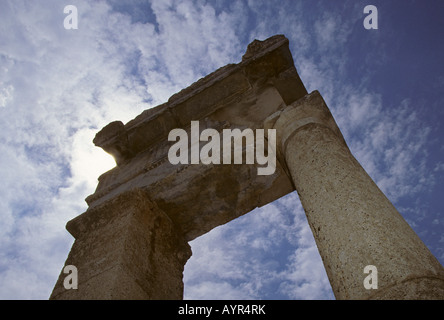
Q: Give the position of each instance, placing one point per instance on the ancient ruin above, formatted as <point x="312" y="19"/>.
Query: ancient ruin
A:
<point x="132" y="242"/>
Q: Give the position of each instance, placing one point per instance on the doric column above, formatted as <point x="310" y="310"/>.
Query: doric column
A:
<point x="126" y="248"/>
<point x="353" y="222"/>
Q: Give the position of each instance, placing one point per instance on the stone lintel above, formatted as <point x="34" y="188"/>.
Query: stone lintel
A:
<point x="240" y="96"/>
<point x="265" y="61"/>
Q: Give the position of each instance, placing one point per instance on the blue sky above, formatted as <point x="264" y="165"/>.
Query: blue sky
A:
<point x="59" y="87"/>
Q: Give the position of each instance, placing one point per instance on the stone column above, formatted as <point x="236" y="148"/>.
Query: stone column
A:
<point x="126" y="248"/>
<point x="353" y="222"/>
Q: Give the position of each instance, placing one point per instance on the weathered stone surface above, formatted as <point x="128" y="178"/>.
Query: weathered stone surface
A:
<point x="352" y="221"/>
<point x="131" y="243"/>
<point x="126" y="248"/>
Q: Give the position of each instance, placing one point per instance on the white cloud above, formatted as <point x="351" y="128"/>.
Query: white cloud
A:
<point x="439" y="167"/>
<point x="264" y="254"/>
<point x="215" y="291"/>
<point x="305" y="277"/>
<point x="6" y="95"/>
<point x="70" y="85"/>
<point x="331" y="32"/>
<point x="391" y="146"/>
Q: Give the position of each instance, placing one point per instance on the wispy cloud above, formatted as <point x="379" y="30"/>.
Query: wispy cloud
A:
<point x="66" y="86"/>
<point x="269" y="253"/>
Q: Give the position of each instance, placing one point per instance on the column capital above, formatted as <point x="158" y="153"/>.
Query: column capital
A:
<point x="310" y="109"/>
